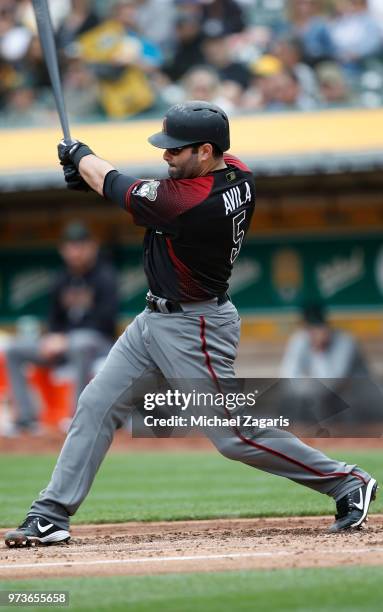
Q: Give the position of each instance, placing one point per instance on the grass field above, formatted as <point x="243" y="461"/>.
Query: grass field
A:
<point x="169" y="486"/>
<point x="348" y="589"/>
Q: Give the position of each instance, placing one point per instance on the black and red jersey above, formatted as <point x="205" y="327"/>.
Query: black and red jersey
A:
<point x="195" y="228"/>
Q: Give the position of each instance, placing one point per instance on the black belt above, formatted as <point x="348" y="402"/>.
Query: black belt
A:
<point x="157" y="304"/>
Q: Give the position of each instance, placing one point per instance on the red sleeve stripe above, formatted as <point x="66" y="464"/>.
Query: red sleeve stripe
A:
<point x="234" y="161"/>
<point x="250" y="442"/>
<point x="128" y="193"/>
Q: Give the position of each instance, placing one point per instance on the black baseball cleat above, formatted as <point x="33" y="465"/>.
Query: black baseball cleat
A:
<point x="36" y="531"/>
<point x="352" y="509"/>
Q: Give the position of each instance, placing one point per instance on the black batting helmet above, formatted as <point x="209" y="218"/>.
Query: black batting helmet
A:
<point x="192" y="122"/>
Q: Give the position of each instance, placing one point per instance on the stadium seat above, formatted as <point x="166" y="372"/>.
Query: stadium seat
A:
<point x="55" y="390"/>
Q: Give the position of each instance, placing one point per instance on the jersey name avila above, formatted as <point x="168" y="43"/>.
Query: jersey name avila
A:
<point x="232" y="198"/>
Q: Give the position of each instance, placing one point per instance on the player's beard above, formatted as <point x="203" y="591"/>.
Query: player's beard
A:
<point x="190" y="169"/>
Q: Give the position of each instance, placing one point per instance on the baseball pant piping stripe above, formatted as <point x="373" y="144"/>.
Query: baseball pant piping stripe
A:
<point x="205" y="352"/>
<point x="247" y="440"/>
<point x="360" y="477"/>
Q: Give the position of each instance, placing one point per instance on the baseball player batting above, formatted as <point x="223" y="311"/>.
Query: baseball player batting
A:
<point x="195" y="223"/>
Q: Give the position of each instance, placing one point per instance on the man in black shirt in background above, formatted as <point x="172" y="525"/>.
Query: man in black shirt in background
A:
<point x="81" y="323"/>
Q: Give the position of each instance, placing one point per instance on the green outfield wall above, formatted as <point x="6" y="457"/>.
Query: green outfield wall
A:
<point x="271" y="275"/>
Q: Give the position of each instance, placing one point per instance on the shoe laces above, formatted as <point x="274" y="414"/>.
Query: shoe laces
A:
<point x="30" y="520"/>
<point x="345" y="505"/>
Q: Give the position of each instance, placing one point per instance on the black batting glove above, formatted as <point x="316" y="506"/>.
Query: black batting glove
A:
<point x="73" y="178"/>
<point x="73" y="152"/>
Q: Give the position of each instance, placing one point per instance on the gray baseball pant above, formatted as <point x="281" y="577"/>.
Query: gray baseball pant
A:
<point x="200" y="342"/>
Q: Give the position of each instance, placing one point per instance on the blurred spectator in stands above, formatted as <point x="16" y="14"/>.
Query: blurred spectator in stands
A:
<point x="222" y="17"/>
<point x="289" y="52"/>
<point x="251" y="44"/>
<point x="24" y="76"/>
<point x="266" y="14"/>
<point x="81" y="324"/>
<point x="33" y="67"/>
<point x="318" y="351"/>
<point x="203" y="83"/>
<point x="141" y="49"/>
<point x="354" y="34"/>
<point x="287" y="93"/>
<point x="230" y="97"/>
<point x="217" y="53"/>
<point x="311" y="27"/>
<point x="261" y="91"/>
<point x="376" y="11"/>
<point x="276" y="88"/>
<point x="334" y="89"/>
<point x="30" y="101"/>
<point x="14" y="38"/>
<point x="148" y="55"/>
<point x="80" y="18"/>
<point x="370" y="86"/>
<point x="9" y="78"/>
<point x="82" y="92"/>
<point x="189" y="7"/>
<point x="58" y="10"/>
<point x="188" y="42"/>
<point x="123" y="59"/>
<point x="157" y="18"/>
<point x="23" y="107"/>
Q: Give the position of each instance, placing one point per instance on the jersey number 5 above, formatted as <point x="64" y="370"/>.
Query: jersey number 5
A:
<point x="238" y="234"/>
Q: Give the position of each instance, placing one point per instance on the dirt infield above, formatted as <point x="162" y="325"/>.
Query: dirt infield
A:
<point x="187" y="546"/>
<point x="52" y="441"/>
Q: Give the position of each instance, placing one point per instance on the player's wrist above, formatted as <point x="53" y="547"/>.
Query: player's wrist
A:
<point x="79" y="151"/>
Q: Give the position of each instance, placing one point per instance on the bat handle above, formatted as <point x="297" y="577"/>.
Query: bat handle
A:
<point x="67" y="137"/>
<point x="65" y="125"/>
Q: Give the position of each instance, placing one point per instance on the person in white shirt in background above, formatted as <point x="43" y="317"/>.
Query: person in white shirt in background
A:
<point x="375" y="7"/>
<point x="318" y="351"/>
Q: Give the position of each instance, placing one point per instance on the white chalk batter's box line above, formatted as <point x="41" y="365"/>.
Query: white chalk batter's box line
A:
<point x="280" y="553"/>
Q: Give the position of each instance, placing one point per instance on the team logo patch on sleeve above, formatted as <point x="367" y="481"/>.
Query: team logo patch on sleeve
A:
<point x="147" y="189"/>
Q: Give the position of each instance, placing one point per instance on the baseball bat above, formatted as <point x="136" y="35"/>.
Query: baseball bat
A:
<point x="47" y="41"/>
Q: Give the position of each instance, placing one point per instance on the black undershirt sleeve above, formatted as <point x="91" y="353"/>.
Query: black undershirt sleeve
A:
<point x="116" y="186"/>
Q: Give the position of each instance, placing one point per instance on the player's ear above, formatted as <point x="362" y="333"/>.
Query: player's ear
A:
<point x="206" y="151"/>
